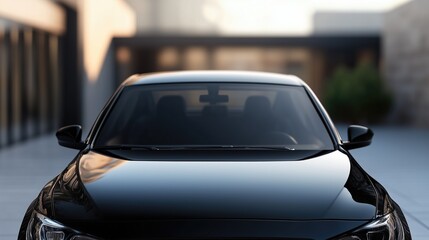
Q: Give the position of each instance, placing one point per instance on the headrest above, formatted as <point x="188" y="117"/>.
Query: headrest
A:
<point x="171" y="106"/>
<point x="257" y="106"/>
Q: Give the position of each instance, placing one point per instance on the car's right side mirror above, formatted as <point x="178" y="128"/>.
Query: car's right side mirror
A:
<point x="359" y="136"/>
<point x="70" y="137"/>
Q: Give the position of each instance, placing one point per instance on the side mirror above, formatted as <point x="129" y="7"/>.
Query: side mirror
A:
<point x="359" y="136"/>
<point x="70" y="137"/>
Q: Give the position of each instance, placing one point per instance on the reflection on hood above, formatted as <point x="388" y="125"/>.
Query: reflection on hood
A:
<point x="94" y="166"/>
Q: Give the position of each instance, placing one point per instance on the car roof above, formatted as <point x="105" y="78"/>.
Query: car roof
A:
<point x="213" y="76"/>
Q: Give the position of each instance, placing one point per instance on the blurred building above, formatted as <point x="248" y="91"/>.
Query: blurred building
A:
<point x="51" y="53"/>
<point x="194" y="34"/>
<point x="30" y="68"/>
<point x="277" y="36"/>
<point x="60" y="60"/>
<point x="406" y="60"/>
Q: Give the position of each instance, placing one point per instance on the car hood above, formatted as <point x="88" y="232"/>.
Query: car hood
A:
<point x="326" y="186"/>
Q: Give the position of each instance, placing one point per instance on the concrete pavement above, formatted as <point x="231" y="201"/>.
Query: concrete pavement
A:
<point x="24" y="169"/>
<point x="398" y="159"/>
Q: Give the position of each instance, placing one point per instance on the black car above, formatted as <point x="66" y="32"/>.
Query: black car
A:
<point x="214" y="155"/>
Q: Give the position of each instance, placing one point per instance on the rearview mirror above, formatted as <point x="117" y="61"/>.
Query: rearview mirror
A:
<point x="359" y="136"/>
<point x="70" y="137"/>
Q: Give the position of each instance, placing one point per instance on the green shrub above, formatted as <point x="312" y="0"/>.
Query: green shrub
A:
<point x="357" y="95"/>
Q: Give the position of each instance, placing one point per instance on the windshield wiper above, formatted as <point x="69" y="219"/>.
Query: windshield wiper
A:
<point x="224" y="147"/>
<point x="126" y="147"/>
<point x="193" y="147"/>
<point x="266" y="147"/>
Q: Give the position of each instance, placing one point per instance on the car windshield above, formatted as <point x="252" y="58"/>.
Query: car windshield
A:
<point x="208" y="115"/>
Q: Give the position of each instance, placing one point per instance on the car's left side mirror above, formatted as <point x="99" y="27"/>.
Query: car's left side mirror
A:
<point x="359" y="136"/>
<point x="71" y="137"/>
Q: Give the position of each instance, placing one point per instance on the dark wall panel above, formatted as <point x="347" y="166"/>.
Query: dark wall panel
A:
<point x="71" y="84"/>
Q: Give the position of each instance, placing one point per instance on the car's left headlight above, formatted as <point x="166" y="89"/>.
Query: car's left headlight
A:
<point x="41" y="227"/>
<point x="386" y="227"/>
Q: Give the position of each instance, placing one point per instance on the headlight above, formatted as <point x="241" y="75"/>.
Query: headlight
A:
<point x="387" y="227"/>
<point x="42" y="228"/>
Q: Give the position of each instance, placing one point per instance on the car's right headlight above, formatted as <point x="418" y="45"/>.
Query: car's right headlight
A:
<point x="41" y="227"/>
<point x="386" y="227"/>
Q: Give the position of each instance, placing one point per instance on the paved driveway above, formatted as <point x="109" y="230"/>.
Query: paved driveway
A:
<point x="24" y="170"/>
<point x="398" y="158"/>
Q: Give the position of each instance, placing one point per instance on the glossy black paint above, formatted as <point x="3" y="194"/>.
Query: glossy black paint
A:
<point x="359" y="136"/>
<point x="70" y="136"/>
<point x="175" y="187"/>
<point x="213" y="194"/>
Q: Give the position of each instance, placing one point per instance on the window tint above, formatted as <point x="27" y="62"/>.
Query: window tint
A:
<point x="215" y="114"/>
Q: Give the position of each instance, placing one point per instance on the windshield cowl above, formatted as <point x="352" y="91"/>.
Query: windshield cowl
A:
<point x="190" y="147"/>
<point x="203" y="155"/>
